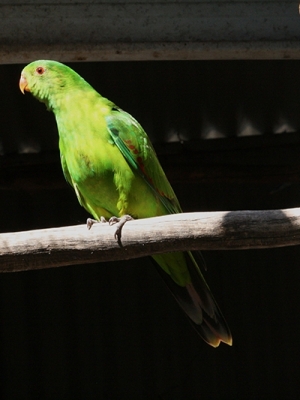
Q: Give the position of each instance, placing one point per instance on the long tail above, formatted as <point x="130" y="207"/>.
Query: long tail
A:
<point x="198" y="303"/>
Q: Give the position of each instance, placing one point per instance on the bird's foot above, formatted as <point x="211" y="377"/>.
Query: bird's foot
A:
<point x="90" y="222"/>
<point x="113" y="220"/>
<point x="120" y="223"/>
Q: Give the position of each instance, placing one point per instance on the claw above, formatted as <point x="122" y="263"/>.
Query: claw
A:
<point x="113" y="220"/>
<point x="90" y="222"/>
<point x="120" y="223"/>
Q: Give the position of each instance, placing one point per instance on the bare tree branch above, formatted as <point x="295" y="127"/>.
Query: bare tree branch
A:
<point x="72" y="245"/>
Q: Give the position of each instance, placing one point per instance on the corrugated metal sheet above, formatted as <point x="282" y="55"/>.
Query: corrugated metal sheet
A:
<point x="174" y="101"/>
<point x="113" y="331"/>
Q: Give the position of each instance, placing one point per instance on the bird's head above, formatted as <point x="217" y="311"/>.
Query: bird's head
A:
<point x="45" y="79"/>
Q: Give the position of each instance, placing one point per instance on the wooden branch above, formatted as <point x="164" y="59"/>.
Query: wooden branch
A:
<point x="232" y="230"/>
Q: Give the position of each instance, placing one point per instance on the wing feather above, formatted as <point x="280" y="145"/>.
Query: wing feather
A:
<point x="132" y="141"/>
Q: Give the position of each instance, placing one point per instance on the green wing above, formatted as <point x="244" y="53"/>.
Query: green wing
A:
<point x="134" y="144"/>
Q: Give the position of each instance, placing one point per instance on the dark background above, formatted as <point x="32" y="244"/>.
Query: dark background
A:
<point x="113" y="331"/>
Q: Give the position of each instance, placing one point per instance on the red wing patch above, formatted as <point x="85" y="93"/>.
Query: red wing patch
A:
<point x="141" y="164"/>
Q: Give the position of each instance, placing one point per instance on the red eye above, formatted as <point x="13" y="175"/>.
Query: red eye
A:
<point x="40" y="70"/>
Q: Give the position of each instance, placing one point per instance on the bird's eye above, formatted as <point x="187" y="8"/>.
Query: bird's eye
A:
<point x="40" y="70"/>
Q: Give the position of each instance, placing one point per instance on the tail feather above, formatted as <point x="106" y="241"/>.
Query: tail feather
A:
<point x="198" y="303"/>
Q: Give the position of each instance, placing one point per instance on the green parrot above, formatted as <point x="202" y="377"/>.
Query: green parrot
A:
<point x="108" y="159"/>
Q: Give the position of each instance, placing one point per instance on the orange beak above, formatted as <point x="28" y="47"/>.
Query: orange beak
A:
<point x="23" y="85"/>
